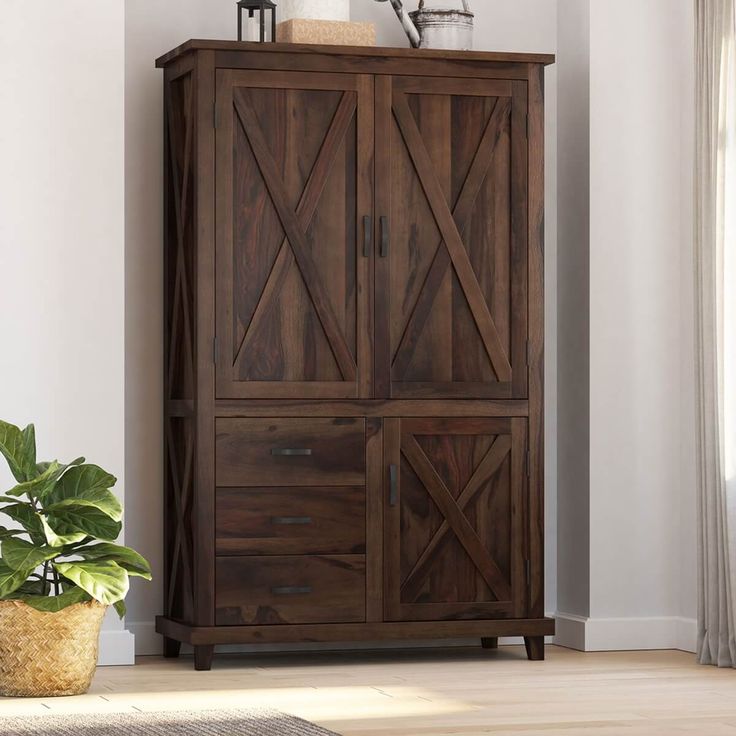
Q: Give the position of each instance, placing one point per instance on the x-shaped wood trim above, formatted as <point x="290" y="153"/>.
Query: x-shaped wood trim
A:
<point x="295" y="224"/>
<point x="180" y="489"/>
<point x="180" y="174"/>
<point x="448" y="224"/>
<point x="455" y="519"/>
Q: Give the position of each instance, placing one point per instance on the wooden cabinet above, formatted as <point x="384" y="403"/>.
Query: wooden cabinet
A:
<point x="354" y="345"/>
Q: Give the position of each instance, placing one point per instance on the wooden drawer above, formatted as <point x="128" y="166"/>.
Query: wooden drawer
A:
<point x="290" y="590"/>
<point x="290" y="521"/>
<point x="290" y="452"/>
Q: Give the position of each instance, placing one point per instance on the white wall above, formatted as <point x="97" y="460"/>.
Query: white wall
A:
<point x="152" y="28"/>
<point x="641" y="452"/>
<point x="573" y="295"/>
<point x="61" y="235"/>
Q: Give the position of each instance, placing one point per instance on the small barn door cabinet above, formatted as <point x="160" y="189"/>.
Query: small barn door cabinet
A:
<point x="354" y="345"/>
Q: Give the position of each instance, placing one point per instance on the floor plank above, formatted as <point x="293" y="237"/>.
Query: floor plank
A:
<point x="433" y="692"/>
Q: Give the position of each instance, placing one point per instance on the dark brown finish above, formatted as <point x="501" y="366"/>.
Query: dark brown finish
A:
<point x="489" y="642"/>
<point x="247" y="452"/>
<point x="354" y="335"/>
<point x="452" y="313"/>
<point x="294" y="180"/>
<point x="172" y="648"/>
<point x="454" y="535"/>
<point x="247" y="49"/>
<point x="378" y="409"/>
<point x="290" y="590"/>
<point x="534" y="648"/>
<point x="290" y="521"/>
<point x="203" y="657"/>
<point x="354" y="632"/>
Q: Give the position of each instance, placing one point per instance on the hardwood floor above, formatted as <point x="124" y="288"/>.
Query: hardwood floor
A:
<point x="434" y="692"/>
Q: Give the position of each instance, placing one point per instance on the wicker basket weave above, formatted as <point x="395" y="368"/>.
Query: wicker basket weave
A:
<point x="48" y="654"/>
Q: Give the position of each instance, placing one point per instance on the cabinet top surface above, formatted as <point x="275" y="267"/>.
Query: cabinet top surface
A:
<point x="366" y="51"/>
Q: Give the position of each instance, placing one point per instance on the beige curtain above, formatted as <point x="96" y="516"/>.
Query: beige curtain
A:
<point x="716" y="327"/>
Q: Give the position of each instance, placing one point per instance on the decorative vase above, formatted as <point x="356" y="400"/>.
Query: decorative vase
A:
<point x="315" y="9"/>
<point x="48" y="654"/>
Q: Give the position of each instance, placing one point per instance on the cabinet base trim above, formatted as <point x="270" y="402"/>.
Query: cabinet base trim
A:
<point x="209" y="635"/>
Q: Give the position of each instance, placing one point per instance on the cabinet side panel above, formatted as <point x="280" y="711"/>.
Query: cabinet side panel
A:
<point x="179" y="341"/>
<point x="204" y="199"/>
<point x="536" y="338"/>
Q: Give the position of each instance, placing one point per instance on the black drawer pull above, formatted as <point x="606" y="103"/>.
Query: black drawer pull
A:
<point x="292" y="590"/>
<point x="394" y="480"/>
<point x="290" y="452"/>
<point x="291" y="520"/>
<point x="367" y="236"/>
<point x="385" y="237"/>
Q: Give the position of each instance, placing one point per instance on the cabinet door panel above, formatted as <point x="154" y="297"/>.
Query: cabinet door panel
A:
<point x="451" y="301"/>
<point x="293" y="185"/>
<point x="454" y="519"/>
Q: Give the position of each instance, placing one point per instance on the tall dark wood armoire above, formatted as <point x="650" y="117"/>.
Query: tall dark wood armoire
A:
<point x="354" y="345"/>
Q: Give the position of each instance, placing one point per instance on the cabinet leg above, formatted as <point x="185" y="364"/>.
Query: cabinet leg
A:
<point x="489" y="642"/>
<point x="534" y="648"/>
<point x="172" y="647"/>
<point x="203" y="657"/>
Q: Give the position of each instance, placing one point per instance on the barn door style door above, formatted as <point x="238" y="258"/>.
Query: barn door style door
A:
<point x="294" y="211"/>
<point x="455" y="542"/>
<point x="451" y="303"/>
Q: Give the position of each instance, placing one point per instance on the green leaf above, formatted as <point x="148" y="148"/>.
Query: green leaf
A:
<point x="61" y="535"/>
<point x="120" y="608"/>
<point x="27" y="517"/>
<point x="19" y="449"/>
<point x="8" y="533"/>
<point x="106" y="582"/>
<point x="11" y="580"/>
<point x="20" y="555"/>
<point x="91" y="521"/>
<point x="127" y="558"/>
<point x="54" y="604"/>
<point x="30" y="587"/>
<point x="100" y="499"/>
<point x="41" y="483"/>
<point x="83" y="481"/>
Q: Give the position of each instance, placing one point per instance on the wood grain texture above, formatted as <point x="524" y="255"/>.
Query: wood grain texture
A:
<point x="330" y="452"/>
<point x="389" y="631"/>
<point x="358" y="454"/>
<point x="290" y="521"/>
<point x="536" y="339"/>
<point x="427" y="692"/>
<point x="244" y="48"/>
<point x="455" y="550"/>
<point x="294" y="299"/>
<point x="290" y="590"/>
<point x="451" y="295"/>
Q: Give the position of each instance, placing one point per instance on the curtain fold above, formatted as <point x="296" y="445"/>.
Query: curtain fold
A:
<point x="715" y="248"/>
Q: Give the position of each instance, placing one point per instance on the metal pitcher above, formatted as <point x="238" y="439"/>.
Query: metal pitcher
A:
<point x="437" y="28"/>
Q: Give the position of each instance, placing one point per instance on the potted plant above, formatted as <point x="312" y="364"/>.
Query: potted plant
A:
<point x="59" y="569"/>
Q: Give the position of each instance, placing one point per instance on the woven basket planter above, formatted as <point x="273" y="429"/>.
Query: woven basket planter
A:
<point x="48" y="654"/>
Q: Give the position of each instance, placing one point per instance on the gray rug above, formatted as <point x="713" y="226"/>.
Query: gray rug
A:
<point x="201" y="723"/>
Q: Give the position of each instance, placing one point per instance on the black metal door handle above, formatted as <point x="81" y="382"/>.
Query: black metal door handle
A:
<point x="393" y="473"/>
<point x="288" y="452"/>
<point x="291" y="520"/>
<point x="385" y="237"/>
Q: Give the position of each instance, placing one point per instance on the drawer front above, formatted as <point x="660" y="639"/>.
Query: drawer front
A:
<point x="290" y="521"/>
<point x="290" y="590"/>
<point x="290" y="452"/>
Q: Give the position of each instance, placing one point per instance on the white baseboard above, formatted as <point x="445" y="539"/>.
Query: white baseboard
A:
<point x="625" y="634"/>
<point x="116" y="648"/>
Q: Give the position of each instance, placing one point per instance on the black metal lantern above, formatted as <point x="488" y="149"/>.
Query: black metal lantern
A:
<point x="260" y="6"/>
